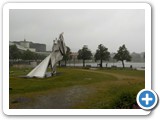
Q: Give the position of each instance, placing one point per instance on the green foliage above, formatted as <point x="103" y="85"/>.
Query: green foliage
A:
<point x="122" y="54"/>
<point x="102" y="54"/>
<point x="28" y="55"/>
<point x="40" y="57"/>
<point x="69" y="77"/>
<point x="84" y="54"/>
<point x="125" y="100"/>
<point x="14" y="52"/>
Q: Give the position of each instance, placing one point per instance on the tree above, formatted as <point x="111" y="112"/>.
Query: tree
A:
<point x="28" y="55"/>
<point x="67" y="56"/>
<point x="41" y="57"/>
<point x="102" y="54"/>
<point x="14" y="52"/>
<point x="84" y="54"/>
<point x="122" y="54"/>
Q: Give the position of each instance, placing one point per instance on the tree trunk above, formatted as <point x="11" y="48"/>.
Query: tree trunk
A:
<point x="59" y="63"/>
<point x="101" y="63"/>
<point x="65" y="62"/>
<point x="123" y="64"/>
<point x="83" y="63"/>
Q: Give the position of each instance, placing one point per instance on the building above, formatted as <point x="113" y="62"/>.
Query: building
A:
<point x="20" y="47"/>
<point x="24" y="43"/>
<point x="74" y="55"/>
<point x="39" y="47"/>
<point x="27" y="45"/>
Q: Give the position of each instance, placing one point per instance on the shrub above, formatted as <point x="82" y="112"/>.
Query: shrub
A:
<point x="124" y="100"/>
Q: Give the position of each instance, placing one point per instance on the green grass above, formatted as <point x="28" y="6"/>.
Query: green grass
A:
<point x="127" y="72"/>
<point x="65" y="78"/>
<point x="106" y="86"/>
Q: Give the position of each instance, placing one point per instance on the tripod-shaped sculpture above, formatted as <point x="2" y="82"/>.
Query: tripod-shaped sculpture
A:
<point x="58" y="50"/>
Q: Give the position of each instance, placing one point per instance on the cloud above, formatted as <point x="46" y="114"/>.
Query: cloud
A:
<point x="81" y="27"/>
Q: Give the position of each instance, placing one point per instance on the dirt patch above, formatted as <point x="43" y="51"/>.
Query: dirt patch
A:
<point x="63" y="99"/>
<point x="20" y="100"/>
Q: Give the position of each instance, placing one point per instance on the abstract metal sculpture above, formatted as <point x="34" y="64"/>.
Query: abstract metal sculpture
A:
<point x="58" y="50"/>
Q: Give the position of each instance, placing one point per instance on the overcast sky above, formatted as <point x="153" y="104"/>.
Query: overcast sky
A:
<point x="112" y="28"/>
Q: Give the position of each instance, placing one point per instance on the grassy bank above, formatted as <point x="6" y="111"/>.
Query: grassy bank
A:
<point x="76" y="88"/>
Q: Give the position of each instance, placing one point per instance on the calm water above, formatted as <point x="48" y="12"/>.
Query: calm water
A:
<point x="118" y="64"/>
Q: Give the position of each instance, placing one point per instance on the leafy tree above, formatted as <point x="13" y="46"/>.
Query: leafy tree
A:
<point x="40" y="57"/>
<point x="122" y="54"/>
<point x="36" y="56"/>
<point x="28" y="55"/>
<point x="14" y="52"/>
<point x="67" y="56"/>
<point x="84" y="54"/>
<point x="102" y="54"/>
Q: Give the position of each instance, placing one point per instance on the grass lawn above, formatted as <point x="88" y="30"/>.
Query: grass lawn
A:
<point x="76" y="88"/>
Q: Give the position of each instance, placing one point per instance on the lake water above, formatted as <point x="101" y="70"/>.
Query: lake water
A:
<point x="118" y="64"/>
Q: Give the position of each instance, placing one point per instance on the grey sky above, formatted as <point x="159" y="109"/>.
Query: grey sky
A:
<point x="112" y="28"/>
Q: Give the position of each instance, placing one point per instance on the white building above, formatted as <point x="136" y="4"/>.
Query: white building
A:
<point x="23" y="46"/>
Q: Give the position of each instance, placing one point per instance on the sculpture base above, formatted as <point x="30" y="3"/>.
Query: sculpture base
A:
<point x="48" y="74"/>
